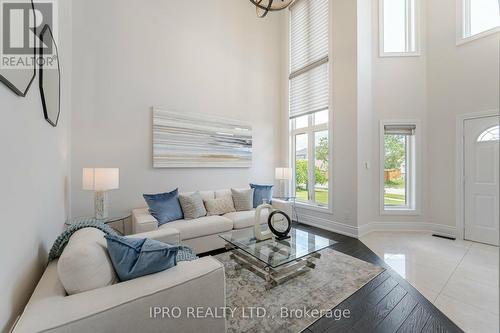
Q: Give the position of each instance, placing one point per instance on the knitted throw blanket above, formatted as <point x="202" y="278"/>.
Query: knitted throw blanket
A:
<point x="184" y="254"/>
<point x="63" y="239"/>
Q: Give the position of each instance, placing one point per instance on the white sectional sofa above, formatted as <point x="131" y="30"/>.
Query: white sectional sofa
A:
<point x="202" y="234"/>
<point x="125" y="306"/>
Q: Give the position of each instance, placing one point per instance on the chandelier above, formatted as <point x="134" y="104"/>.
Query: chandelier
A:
<point x="265" y="6"/>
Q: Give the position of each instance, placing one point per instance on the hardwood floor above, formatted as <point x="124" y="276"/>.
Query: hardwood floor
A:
<point x="387" y="304"/>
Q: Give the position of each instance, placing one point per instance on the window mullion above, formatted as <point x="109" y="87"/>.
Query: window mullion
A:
<point x="407" y="172"/>
<point x="311" y="168"/>
<point x="291" y="160"/>
<point x="310" y="158"/>
<point x="300" y="131"/>
<point x="466" y="16"/>
<point x="408" y="25"/>
<point x="411" y="170"/>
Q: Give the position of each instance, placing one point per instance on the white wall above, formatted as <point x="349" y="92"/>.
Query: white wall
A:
<point x="344" y="106"/>
<point x="365" y="110"/>
<point x="444" y="81"/>
<point x="34" y="182"/>
<point x="461" y="79"/>
<point x="213" y="56"/>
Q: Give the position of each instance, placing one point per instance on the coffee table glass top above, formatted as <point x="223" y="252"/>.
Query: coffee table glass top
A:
<point x="276" y="253"/>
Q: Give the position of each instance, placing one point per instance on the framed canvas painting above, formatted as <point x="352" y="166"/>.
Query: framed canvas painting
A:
<point x="190" y="140"/>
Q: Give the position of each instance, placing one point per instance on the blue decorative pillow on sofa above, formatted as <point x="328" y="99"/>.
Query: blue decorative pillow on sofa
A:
<point x="164" y="207"/>
<point x="134" y="257"/>
<point x="261" y="193"/>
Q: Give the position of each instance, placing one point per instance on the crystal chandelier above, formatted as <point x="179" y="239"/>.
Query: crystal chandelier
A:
<point x="265" y="6"/>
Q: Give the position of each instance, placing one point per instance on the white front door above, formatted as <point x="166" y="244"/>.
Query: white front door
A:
<point x="481" y="171"/>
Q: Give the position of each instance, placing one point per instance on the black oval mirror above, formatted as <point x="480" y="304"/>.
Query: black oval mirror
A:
<point x="49" y="75"/>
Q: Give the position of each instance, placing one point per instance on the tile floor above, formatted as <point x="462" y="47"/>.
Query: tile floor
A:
<point x="459" y="277"/>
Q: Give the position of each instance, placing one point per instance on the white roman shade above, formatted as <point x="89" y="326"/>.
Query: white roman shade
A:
<point x="400" y="129"/>
<point x="309" y="87"/>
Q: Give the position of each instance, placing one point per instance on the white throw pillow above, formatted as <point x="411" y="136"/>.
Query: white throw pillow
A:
<point x="219" y="206"/>
<point x="85" y="264"/>
<point x="192" y="205"/>
<point x="243" y="199"/>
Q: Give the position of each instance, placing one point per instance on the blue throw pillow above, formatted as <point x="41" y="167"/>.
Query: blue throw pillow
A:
<point x="134" y="257"/>
<point x="164" y="207"/>
<point x="261" y="193"/>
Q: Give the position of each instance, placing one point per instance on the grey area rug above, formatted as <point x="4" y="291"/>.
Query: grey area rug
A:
<point x="255" y="309"/>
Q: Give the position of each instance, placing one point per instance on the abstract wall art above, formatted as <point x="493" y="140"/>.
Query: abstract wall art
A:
<point x="190" y="140"/>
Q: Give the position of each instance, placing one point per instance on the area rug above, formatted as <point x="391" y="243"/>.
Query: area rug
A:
<point x="289" y="307"/>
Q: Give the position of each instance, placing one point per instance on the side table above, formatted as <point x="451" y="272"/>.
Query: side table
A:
<point x="109" y="220"/>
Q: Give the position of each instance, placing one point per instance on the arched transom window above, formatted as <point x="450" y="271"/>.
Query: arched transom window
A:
<point x="491" y="134"/>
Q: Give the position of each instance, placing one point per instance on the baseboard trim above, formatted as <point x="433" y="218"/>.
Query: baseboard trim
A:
<point x="439" y="229"/>
<point x="329" y="225"/>
<point x="357" y="232"/>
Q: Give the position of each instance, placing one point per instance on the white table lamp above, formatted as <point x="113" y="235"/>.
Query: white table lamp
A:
<point x="284" y="175"/>
<point x="101" y="180"/>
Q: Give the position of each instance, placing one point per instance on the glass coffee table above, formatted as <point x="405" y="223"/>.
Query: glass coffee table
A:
<point x="276" y="261"/>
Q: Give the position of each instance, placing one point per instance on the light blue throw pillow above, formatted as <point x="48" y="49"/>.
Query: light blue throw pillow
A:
<point x="164" y="207"/>
<point x="261" y="193"/>
<point x="134" y="257"/>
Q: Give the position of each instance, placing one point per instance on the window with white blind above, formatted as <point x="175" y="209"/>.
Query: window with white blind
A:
<point x="479" y="18"/>
<point x="309" y="101"/>
<point x="399" y="27"/>
<point x="399" y="167"/>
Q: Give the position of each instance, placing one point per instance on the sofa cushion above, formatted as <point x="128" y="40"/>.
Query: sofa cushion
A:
<point x="219" y="206"/>
<point x="136" y="257"/>
<point x="246" y="219"/>
<point x="203" y="226"/>
<point x="165" y="207"/>
<point x="192" y="205"/>
<point x="84" y="264"/>
<point x="243" y="199"/>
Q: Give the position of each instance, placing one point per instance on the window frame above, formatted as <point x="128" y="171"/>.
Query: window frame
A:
<point x="310" y="131"/>
<point x="409" y="31"/>
<point x="463" y="25"/>
<point x="414" y="170"/>
<point x="292" y="131"/>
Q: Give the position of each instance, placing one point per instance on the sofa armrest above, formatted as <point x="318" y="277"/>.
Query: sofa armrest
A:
<point x="142" y="221"/>
<point x="284" y="206"/>
<point x="130" y="306"/>
<point x="165" y="235"/>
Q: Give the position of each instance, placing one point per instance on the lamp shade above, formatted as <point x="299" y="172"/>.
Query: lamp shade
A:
<point x="283" y="174"/>
<point x="100" y="179"/>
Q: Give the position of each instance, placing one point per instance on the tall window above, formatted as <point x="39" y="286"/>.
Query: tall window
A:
<point x="309" y="100"/>
<point x="310" y="144"/>
<point x="480" y="17"/>
<point x="399" y="167"/>
<point x="399" y="27"/>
